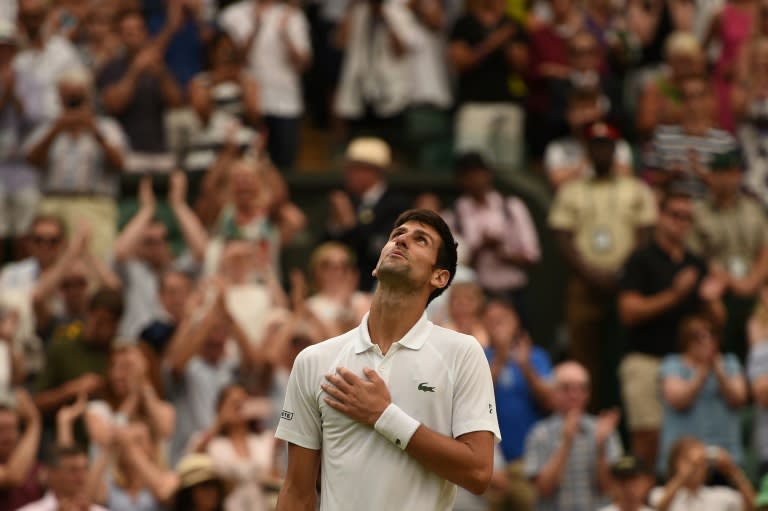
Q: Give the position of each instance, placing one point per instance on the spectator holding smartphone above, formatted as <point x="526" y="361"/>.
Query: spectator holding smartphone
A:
<point x="689" y="464"/>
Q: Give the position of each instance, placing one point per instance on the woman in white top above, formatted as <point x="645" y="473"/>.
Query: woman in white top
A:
<point x="129" y="394"/>
<point x="240" y="455"/>
<point x="690" y="462"/>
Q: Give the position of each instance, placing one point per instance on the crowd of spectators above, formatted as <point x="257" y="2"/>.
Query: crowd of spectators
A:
<point x="144" y="360"/>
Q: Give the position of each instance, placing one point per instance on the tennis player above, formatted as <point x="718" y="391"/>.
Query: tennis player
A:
<point x="398" y="411"/>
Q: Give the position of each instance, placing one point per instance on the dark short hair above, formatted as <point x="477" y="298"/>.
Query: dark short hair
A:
<point x="171" y="272"/>
<point x="470" y="161"/>
<point x="678" y="189"/>
<point x="686" y="326"/>
<point x="446" y="253"/>
<point x="108" y="300"/>
<point x="56" y="454"/>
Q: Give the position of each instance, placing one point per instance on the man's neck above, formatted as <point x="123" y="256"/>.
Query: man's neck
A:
<point x="670" y="246"/>
<point x="393" y="314"/>
<point x="726" y="200"/>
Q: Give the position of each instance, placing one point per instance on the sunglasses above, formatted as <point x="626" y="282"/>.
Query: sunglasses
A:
<point x="46" y="240"/>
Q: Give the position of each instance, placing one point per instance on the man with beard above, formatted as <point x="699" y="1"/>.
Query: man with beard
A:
<point x="412" y="400"/>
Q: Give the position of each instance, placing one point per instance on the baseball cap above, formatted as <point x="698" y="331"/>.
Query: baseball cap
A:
<point x="370" y="151"/>
<point x="194" y="469"/>
<point x="728" y="160"/>
<point x="7" y="32"/>
<point x="601" y="131"/>
<point x="628" y="467"/>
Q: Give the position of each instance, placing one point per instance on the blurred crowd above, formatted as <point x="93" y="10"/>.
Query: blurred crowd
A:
<point x="144" y="360"/>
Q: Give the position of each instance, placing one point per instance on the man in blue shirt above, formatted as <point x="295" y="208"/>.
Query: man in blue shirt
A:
<point x="521" y="374"/>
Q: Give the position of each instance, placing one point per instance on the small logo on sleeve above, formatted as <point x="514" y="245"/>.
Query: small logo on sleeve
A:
<point x="425" y="388"/>
<point x="490" y="408"/>
<point x="286" y="415"/>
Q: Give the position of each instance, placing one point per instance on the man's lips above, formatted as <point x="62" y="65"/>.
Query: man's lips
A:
<point x="397" y="253"/>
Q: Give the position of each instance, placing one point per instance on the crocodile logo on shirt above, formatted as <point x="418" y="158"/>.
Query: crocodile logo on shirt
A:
<point x="425" y="388"/>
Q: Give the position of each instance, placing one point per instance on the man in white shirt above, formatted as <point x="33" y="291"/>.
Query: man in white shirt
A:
<point x="275" y="39"/>
<point x="398" y="411"/>
<point x="67" y="477"/>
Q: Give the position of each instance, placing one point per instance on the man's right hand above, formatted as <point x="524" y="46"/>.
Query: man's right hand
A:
<point x="684" y="281"/>
<point x="342" y="211"/>
<point x="86" y="384"/>
<point x="571" y="423"/>
<point x="148" y="60"/>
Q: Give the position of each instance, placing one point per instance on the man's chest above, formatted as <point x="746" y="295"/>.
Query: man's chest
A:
<point x="421" y="386"/>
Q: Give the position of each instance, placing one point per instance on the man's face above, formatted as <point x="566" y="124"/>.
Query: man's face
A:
<point x="154" y="247"/>
<point x="676" y="218"/>
<point x="32" y="15"/>
<point x="9" y="433"/>
<point x="46" y="242"/>
<point x="68" y="479"/>
<point x="571" y="389"/>
<point x="174" y="294"/>
<point x="100" y="327"/>
<point x="133" y="33"/>
<point x="601" y="152"/>
<point x="631" y="491"/>
<point x="584" y="53"/>
<point x="725" y="183"/>
<point x="697" y="100"/>
<point x="476" y="182"/>
<point x="74" y="286"/>
<point x="359" y="177"/>
<point x="409" y="257"/>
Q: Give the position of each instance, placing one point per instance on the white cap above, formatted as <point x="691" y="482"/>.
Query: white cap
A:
<point x="370" y="151"/>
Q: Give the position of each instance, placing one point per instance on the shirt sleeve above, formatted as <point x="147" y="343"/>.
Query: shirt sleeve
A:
<point x="613" y="449"/>
<point x="647" y="212"/>
<point x="300" y="418"/>
<point x="671" y="366"/>
<point x="298" y="31"/>
<point x="632" y="275"/>
<point x="536" y="453"/>
<point x="527" y="241"/>
<point x="113" y="134"/>
<point x="564" y="214"/>
<point x="474" y="402"/>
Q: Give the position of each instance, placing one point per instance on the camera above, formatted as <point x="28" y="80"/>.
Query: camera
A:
<point x="74" y="102"/>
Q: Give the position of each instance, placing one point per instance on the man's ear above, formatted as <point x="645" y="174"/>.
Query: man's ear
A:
<point x="440" y="278"/>
<point x="373" y="273"/>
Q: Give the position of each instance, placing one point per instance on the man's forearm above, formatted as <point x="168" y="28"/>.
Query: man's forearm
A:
<point x="291" y="499"/>
<point x="467" y="465"/>
<point x="542" y="391"/>
<point x="549" y="476"/>
<point x="23" y="457"/>
<point x="49" y="400"/>
<point x="116" y="97"/>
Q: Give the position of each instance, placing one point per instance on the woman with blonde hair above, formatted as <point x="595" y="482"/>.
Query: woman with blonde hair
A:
<point x="336" y="302"/>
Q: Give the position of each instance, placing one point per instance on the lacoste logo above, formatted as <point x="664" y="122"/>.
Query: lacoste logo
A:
<point x="425" y="388"/>
<point x="286" y="415"/>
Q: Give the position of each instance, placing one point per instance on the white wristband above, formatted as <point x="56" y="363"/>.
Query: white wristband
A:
<point x="396" y="426"/>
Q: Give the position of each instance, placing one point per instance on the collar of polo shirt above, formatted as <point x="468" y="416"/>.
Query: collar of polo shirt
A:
<point x="414" y="339"/>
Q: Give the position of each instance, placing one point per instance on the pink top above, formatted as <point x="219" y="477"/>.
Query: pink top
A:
<point x="505" y="218"/>
<point x="735" y="29"/>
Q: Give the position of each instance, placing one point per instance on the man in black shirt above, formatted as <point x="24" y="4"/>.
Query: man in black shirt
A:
<point x="661" y="284"/>
<point x="487" y="48"/>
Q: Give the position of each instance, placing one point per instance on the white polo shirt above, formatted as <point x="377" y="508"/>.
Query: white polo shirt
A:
<point x="437" y="376"/>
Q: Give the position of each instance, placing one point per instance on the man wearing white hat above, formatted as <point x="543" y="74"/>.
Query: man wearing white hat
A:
<point x="361" y="216"/>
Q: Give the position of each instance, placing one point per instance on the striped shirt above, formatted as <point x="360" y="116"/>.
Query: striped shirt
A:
<point x="578" y="489"/>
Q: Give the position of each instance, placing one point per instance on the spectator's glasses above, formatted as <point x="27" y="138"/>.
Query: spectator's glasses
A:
<point x="46" y="240"/>
<point x="679" y="216"/>
<point x="700" y="335"/>
<point x="334" y="265"/>
<point x="573" y="386"/>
